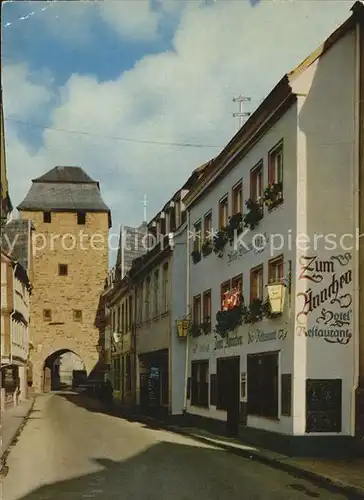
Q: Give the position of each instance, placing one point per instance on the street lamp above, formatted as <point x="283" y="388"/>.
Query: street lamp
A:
<point x="276" y="296"/>
<point x="277" y="293"/>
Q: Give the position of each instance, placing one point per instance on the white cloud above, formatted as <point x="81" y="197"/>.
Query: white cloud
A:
<point x="185" y="95"/>
<point x="24" y="96"/>
<point x="132" y="20"/>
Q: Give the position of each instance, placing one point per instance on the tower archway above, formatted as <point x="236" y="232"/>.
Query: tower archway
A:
<point x="62" y="369"/>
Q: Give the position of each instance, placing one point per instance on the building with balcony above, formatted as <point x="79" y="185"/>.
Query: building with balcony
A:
<point x="279" y="206"/>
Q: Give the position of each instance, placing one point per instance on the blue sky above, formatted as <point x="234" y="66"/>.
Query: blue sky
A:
<point x="164" y="71"/>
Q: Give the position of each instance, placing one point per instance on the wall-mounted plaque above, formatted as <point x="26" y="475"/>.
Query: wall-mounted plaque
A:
<point x="286" y="394"/>
<point x="323" y="405"/>
<point x="213" y="389"/>
<point x="243" y="385"/>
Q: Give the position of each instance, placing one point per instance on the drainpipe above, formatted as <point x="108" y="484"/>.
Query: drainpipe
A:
<point x="187" y="307"/>
<point x="356" y="178"/>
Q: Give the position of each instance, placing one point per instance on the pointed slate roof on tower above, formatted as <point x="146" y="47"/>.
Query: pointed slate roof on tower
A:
<point x="64" y="189"/>
<point x="66" y="174"/>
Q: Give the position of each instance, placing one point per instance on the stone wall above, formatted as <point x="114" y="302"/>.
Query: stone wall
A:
<point x="84" y="249"/>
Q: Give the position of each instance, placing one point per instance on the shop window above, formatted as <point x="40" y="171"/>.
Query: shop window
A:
<point x="200" y="383"/>
<point x="262" y="377"/>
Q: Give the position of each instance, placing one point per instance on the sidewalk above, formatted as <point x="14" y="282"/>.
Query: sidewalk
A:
<point x="340" y="475"/>
<point x="11" y="421"/>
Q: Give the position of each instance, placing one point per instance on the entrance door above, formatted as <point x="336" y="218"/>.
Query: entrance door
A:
<point x="228" y="374"/>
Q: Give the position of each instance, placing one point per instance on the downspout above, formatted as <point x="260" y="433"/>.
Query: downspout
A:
<point x="356" y="195"/>
<point x="187" y="307"/>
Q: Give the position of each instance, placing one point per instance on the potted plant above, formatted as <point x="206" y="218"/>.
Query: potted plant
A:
<point x="254" y="312"/>
<point x="235" y="224"/>
<point x="273" y="195"/>
<point x="196" y="256"/>
<point x="220" y="240"/>
<point x="228" y="320"/>
<point x="195" y="330"/>
<point x="206" y="247"/>
<point x="254" y="215"/>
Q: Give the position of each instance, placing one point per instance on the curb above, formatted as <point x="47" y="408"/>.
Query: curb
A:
<point x="337" y="486"/>
<point x="5" y="452"/>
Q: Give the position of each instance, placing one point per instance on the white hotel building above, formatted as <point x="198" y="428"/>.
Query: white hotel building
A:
<point x="290" y="380"/>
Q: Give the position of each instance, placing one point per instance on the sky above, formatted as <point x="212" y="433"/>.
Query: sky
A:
<point x="139" y="93"/>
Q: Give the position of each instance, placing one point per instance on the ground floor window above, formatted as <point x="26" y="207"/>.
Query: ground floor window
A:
<point x="263" y="384"/>
<point x="200" y="384"/>
<point x="116" y="374"/>
<point x="128" y="373"/>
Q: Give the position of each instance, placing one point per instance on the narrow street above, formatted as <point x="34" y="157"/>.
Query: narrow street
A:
<point x="70" y="452"/>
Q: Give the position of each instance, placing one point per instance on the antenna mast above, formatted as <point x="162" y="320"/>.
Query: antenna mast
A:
<point x="241" y="114"/>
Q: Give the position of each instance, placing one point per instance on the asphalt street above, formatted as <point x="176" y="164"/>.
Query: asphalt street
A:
<point x="67" y="451"/>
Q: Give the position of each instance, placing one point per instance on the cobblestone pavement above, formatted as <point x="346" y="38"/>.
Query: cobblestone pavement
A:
<point x="69" y="452"/>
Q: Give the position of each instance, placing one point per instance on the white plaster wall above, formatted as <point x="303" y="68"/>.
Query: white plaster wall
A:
<point x="326" y="151"/>
<point x="212" y="271"/>
<point x="178" y="310"/>
<point x="153" y="335"/>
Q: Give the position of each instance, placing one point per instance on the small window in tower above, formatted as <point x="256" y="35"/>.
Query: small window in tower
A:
<point x="47" y="217"/>
<point x="77" y="315"/>
<point x="81" y="218"/>
<point x="63" y="269"/>
<point x="47" y="315"/>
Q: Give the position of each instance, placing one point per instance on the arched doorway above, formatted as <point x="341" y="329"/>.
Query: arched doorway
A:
<point x="63" y="369"/>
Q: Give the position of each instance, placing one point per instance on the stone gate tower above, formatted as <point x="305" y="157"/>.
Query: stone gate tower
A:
<point x="70" y="252"/>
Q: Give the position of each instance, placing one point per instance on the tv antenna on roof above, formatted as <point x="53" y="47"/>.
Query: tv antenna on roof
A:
<point x="241" y="114"/>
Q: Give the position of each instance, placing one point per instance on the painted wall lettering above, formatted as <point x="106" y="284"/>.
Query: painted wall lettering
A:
<point x="330" y="287"/>
<point x="229" y="342"/>
<point x="260" y="336"/>
<point x="200" y="348"/>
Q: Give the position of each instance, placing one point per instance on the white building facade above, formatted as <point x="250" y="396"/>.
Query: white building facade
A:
<point x="294" y="374"/>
